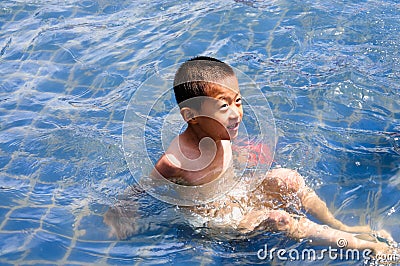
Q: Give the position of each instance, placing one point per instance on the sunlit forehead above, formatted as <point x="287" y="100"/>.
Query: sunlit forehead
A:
<point x="223" y="92"/>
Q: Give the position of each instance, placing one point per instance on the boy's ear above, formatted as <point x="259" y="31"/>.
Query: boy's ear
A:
<point x="189" y="115"/>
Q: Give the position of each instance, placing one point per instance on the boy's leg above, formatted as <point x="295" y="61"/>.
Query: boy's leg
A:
<point x="327" y="236"/>
<point x="317" y="208"/>
<point x="122" y="218"/>
<point x="291" y="182"/>
<point x="261" y="219"/>
<point x="287" y="182"/>
<point x="302" y="228"/>
<point x="290" y="186"/>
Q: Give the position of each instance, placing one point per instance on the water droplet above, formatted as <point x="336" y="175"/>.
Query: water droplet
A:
<point x="391" y="211"/>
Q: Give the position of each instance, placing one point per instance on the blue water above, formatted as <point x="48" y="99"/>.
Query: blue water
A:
<point x="329" y="69"/>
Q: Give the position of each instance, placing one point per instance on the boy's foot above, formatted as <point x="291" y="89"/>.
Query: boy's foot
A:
<point x="384" y="236"/>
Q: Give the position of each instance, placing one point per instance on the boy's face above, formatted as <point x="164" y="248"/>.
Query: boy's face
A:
<point x="222" y="112"/>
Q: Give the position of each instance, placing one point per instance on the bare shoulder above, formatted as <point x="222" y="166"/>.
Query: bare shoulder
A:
<point x="168" y="166"/>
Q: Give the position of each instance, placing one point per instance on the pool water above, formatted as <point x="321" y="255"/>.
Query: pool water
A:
<point x="330" y="71"/>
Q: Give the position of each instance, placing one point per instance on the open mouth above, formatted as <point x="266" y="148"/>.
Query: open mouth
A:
<point x="233" y="126"/>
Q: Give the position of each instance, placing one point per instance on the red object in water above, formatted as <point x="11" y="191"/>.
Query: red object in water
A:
<point x="257" y="153"/>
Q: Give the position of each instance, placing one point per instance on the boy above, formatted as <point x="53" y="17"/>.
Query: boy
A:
<point x="208" y="95"/>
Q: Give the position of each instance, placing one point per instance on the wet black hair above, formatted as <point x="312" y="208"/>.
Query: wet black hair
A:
<point x="196" y="75"/>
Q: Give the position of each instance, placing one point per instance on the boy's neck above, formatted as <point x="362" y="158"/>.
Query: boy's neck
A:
<point x="195" y="134"/>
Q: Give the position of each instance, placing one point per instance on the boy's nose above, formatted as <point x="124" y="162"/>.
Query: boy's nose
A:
<point x="234" y="112"/>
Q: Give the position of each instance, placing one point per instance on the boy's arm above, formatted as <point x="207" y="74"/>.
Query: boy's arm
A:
<point x="167" y="166"/>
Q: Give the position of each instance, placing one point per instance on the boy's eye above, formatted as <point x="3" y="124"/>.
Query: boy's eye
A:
<point x="224" y="106"/>
<point x="239" y="100"/>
